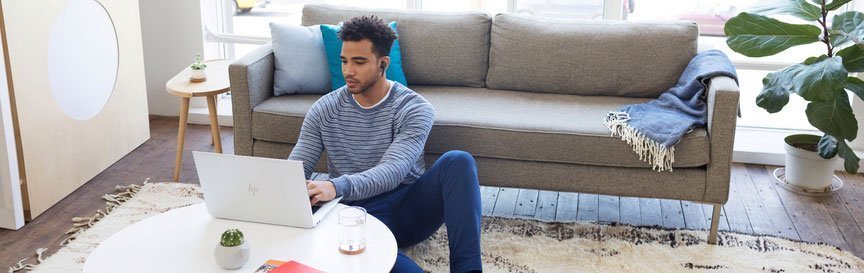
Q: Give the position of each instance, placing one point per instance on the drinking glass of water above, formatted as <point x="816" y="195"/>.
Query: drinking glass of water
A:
<point x="352" y="230"/>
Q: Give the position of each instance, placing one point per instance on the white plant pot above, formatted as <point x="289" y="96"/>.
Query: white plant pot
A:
<point x="806" y="169"/>
<point x="231" y="257"/>
<point x="199" y="74"/>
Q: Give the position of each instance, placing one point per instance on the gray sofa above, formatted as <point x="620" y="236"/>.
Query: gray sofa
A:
<point x="527" y="97"/>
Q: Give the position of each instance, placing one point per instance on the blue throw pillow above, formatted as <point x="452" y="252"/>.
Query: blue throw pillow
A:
<point x="333" y="48"/>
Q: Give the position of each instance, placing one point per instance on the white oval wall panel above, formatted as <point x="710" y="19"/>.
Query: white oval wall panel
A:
<point x="77" y="80"/>
<point x="82" y="59"/>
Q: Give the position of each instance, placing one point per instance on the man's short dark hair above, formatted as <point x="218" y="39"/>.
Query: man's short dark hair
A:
<point x="372" y="28"/>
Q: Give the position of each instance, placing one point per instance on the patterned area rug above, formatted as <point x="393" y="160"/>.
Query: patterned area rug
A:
<point x="515" y="245"/>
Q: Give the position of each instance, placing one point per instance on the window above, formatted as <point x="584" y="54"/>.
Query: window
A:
<point x="711" y="15"/>
<point x="247" y="28"/>
<point x="253" y="20"/>
<point x="451" y="5"/>
<point x="247" y="21"/>
<point x="573" y="9"/>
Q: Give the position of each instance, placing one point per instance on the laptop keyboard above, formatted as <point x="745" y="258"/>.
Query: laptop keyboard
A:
<point x="315" y="208"/>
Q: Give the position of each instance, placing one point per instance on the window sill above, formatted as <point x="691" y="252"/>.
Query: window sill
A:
<point x="766" y="146"/>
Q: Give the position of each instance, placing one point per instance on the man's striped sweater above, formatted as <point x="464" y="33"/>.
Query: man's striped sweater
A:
<point x="370" y="150"/>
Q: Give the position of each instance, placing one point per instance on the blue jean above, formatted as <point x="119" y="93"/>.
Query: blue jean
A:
<point x="448" y="193"/>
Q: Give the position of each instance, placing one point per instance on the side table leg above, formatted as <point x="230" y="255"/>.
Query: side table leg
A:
<point x="214" y="123"/>
<point x="212" y="138"/>
<point x="181" y="136"/>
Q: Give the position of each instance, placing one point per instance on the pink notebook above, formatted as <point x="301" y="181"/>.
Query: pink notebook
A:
<point x="276" y="266"/>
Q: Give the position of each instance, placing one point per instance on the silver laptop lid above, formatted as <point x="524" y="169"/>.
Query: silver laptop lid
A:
<point x="255" y="189"/>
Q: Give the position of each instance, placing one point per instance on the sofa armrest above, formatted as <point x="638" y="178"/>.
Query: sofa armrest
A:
<point x="722" y="100"/>
<point x="251" y="79"/>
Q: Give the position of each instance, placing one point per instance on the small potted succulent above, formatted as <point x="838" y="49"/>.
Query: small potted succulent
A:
<point x="199" y="72"/>
<point x="232" y="252"/>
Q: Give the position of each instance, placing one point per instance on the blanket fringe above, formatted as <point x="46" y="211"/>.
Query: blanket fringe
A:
<point x="22" y="266"/>
<point x="81" y="224"/>
<point x="660" y="157"/>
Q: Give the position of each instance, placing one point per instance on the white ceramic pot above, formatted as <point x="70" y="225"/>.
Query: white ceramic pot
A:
<point x="199" y="74"/>
<point x="806" y="169"/>
<point x="231" y="257"/>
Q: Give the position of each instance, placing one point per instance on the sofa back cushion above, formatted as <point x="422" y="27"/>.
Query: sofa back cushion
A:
<point x="301" y="63"/>
<point x="438" y="48"/>
<point x="607" y="58"/>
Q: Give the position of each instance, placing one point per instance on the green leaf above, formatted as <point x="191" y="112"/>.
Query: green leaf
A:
<point x="827" y="146"/>
<point x="848" y="26"/>
<point x="813" y="60"/>
<point x="821" y="80"/>
<point x="850" y="160"/>
<point x="757" y="36"/>
<point x="833" y="117"/>
<point x="853" y="58"/>
<point x="836" y="4"/>
<point x="855" y="85"/>
<point x="798" y="8"/>
<point x="776" y="87"/>
<point x="773" y="96"/>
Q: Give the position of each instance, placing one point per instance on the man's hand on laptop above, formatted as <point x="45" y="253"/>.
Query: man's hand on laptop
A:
<point x="320" y="191"/>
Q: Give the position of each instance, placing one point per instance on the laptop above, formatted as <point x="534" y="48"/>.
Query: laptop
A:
<point x="257" y="189"/>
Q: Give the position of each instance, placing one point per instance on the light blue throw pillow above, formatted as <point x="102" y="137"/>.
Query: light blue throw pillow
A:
<point x="300" y="60"/>
<point x="333" y="46"/>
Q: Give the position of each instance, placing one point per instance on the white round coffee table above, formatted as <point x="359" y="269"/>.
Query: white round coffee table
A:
<point x="182" y="240"/>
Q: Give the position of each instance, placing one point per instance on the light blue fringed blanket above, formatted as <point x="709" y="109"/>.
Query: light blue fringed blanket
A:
<point x="653" y="128"/>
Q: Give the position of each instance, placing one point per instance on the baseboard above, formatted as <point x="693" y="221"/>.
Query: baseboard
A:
<point x="766" y="147"/>
<point x="204" y="119"/>
<point x="200" y="115"/>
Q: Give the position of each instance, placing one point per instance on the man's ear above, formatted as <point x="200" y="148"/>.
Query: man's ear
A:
<point x="385" y="62"/>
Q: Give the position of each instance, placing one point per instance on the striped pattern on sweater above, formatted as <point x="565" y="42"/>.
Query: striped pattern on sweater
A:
<point x="370" y="151"/>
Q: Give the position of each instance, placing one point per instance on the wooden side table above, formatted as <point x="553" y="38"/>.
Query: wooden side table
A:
<point x="217" y="83"/>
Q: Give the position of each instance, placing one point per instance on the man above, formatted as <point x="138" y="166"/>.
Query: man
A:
<point x="374" y="131"/>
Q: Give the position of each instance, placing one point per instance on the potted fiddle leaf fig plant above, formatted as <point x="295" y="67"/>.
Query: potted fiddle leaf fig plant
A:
<point x="824" y="80"/>
<point x="232" y="252"/>
<point x="199" y="72"/>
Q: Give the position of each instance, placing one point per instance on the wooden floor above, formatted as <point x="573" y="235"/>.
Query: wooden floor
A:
<point x="756" y="205"/>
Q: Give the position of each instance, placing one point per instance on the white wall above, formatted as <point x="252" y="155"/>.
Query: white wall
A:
<point x="172" y="35"/>
<point x="858" y="109"/>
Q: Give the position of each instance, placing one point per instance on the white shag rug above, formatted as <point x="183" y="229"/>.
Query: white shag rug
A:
<point x="515" y="245"/>
<point x="130" y="205"/>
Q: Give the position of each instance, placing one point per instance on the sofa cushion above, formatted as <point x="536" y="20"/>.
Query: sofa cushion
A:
<point x="588" y="57"/>
<point x="503" y="124"/>
<point x="301" y="66"/>
<point x="437" y="48"/>
<point x="278" y="119"/>
<point x="541" y="127"/>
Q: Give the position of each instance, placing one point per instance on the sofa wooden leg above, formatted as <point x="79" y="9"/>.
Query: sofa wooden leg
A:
<point x="715" y="223"/>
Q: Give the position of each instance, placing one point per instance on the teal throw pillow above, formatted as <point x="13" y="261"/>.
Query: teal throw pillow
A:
<point x="333" y="48"/>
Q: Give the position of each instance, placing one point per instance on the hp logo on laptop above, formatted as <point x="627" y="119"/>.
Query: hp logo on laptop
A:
<point x="252" y="189"/>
